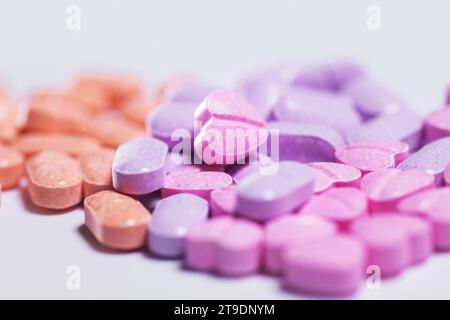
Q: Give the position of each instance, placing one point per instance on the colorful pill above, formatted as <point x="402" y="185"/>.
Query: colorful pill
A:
<point x="32" y="143"/>
<point x="227" y="246"/>
<point x="265" y="196"/>
<point x="223" y="201"/>
<point x="432" y="204"/>
<point x="291" y="230"/>
<point x="11" y="167"/>
<point x="200" y="183"/>
<point x="330" y="174"/>
<point x="332" y="266"/>
<point x="373" y="156"/>
<point x="385" y="188"/>
<point x="96" y="167"/>
<point x="190" y="91"/>
<point x="137" y="110"/>
<point x="437" y="125"/>
<point x="171" y="221"/>
<point x="54" y="180"/>
<point x="117" y="221"/>
<point x="231" y="129"/>
<point x="139" y="166"/>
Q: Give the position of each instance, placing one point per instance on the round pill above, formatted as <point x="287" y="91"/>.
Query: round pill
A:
<point x="117" y="221"/>
<point x="330" y="174"/>
<point x="96" y="167"/>
<point x="11" y="167"/>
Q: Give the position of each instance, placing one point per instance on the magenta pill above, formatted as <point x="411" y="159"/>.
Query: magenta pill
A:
<point x="385" y="188"/>
<point x="223" y="201"/>
<point x="437" y="125"/>
<point x="330" y="174"/>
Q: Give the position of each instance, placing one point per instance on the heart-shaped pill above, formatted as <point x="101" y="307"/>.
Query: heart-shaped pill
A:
<point x="329" y="174"/>
<point x="432" y="204"/>
<point x="290" y="230"/>
<point x="263" y="197"/>
<point x="340" y="205"/>
<point x="171" y="221"/>
<point x="139" y="166"/>
<point x="199" y="183"/>
<point x="333" y="266"/>
<point x="231" y="247"/>
<point x="372" y="156"/>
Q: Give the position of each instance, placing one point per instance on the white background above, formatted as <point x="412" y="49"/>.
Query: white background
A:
<point x="218" y="40"/>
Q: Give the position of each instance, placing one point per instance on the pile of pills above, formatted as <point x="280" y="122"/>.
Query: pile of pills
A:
<point x="310" y="174"/>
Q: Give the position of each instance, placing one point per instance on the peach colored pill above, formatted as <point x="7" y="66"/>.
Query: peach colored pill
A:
<point x="385" y="188"/>
<point x="33" y="143"/>
<point x="112" y="132"/>
<point x="329" y="174"/>
<point x="54" y="180"/>
<point x="8" y="117"/>
<point x="116" y="220"/>
<point x="11" y="167"/>
<point x="372" y="156"/>
<point x="96" y="167"/>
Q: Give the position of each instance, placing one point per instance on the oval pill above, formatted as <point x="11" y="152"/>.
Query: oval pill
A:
<point x="96" y="167"/>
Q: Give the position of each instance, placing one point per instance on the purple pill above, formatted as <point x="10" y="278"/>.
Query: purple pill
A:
<point x="403" y="126"/>
<point x="303" y="142"/>
<point x="223" y="201"/>
<point x="263" y="197"/>
<point x="312" y="105"/>
<point x="373" y="99"/>
<point x="189" y="92"/>
<point x="432" y="158"/>
<point x="173" y="123"/>
<point x="171" y="221"/>
<point x="139" y="166"/>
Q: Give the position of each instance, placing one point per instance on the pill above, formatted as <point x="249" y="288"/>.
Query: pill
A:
<point x="385" y="188"/>
<point x="8" y="117"/>
<point x="200" y="183"/>
<point x="54" y="180"/>
<point x="136" y="110"/>
<point x="330" y="174"/>
<point x="173" y="123"/>
<point x="388" y="246"/>
<point x="227" y="246"/>
<point x="72" y="144"/>
<point x="223" y="201"/>
<point x="374" y="99"/>
<point x="340" y="205"/>
<point x="432" y="158"/>
<point x="96" y="167"/>
<point x="11" y="167"/>
<point x="290" y="230"/>
<point x="372" y="156"/>
<point x="303" y="142"/>
<point x="402" y="126"/>
<point x="171" y="221"/>
<point x="262" y="164"/>
<point x="265" y="196"/>
<point x="112" y="131"/>
<point x="231" y="129"/>
<point x="312" y="105"/>
<point x="139" y="166"/>
<point x="117" y="221"/>
<point x="437" y="125"/>
<point x="191" y="91"/>
<point x="419" y="233"/>
<point x="432" y="204"/>
<point x="332" y="266"/>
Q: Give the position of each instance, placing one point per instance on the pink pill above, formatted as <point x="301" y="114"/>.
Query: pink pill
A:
<point x="289" y="230"/>
<point x="385" y="188"/>
<point x="437" y="125"/>
<point x="419" y="233"/>
<point x="388" y="245"/>
<point x="331" y="266"/>
<point x="223" y="201"/>
<point x="372" y="156"/>
<point x="434" y="205"/>
<point x="340" y="205"/>
<point x="330" y="174"/>
<point x="199" y="183"/>
<point x="231" y="247"/>
<point x="447" y="175"/>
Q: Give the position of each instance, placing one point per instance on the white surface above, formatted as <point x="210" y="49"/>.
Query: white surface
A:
<point x="218" y="40"/>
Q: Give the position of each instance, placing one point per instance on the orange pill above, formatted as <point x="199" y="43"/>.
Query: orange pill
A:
<point x="33" y="143"/>
<point x="8" y="117"/>
<point x="96" y="167"/>
<point x="137" y="110"/>
<point x="117" y="221"/>
<point x="54" y="180"/>
<point x="11" y="167"/>
<point x="113" y="131"/>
